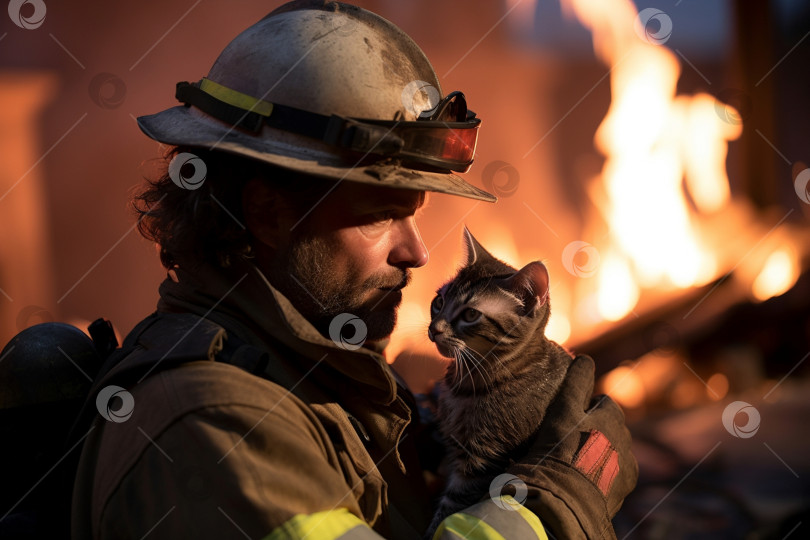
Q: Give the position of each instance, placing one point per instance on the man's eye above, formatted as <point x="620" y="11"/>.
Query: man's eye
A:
<point x="376" y="223"/>
<point x="382" y="216"/>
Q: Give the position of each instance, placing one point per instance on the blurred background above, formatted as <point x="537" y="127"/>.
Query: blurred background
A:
<point x="653" y="154"/>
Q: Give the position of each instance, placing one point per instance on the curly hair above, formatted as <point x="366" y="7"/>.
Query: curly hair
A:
<point x="205" y="221"/>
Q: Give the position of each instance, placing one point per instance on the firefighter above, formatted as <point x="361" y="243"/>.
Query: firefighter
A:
<point x="264" y="408"/>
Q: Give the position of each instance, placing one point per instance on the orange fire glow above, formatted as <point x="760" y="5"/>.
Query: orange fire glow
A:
<point x="665" y="164"/>
<point x="778" y="274"/>
<point x="625" y="386"/>
<point x="664" y="196"/>
<point x="666" y="220"/>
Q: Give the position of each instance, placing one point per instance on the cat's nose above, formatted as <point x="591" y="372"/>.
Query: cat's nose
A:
<point x="433" y="331"/>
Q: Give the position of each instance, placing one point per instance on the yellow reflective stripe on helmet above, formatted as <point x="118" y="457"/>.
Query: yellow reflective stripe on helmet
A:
<point x="235" y="98"/>
<point x="497" y="519"/>
<point x="328" y="525"/>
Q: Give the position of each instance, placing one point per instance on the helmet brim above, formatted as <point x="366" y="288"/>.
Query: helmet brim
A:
<point x="186" y="126"/>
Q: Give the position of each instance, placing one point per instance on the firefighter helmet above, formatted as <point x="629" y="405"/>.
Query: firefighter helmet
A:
<point x="329" y="90"/>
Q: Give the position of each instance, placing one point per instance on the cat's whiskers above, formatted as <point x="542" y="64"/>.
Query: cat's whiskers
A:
<point x="462" y="355"/>
<point x="492" y="354"/>
<point x="458" y="378"/>
<point x="467" y="361"/>
<point x="485" y="377"/>
<point x="463" y="363"/>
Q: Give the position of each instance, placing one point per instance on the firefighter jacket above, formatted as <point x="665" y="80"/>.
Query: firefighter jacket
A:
<point x="321" y="444"/>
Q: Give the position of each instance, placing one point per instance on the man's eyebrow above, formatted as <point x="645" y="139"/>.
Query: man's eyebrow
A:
<point x="387" y="204"/>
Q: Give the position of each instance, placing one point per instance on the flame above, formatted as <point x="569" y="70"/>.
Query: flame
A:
<point x="665" y="163"/>
<point x="778" y="275"/>
<point x="558" y="327"/>
<point x="624" y="386"/>
<point x="660" y="379"/>
<point x="618" y="292"/>
<point x="705" y="150"/>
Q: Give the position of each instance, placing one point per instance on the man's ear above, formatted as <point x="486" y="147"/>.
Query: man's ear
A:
<point x="265" y="211"/>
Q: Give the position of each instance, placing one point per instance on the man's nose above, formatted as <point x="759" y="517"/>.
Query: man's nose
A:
<point x="408" y="250"/>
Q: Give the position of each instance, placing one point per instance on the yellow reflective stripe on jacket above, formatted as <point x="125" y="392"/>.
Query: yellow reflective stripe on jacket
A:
<point x="461" y="525"/>
<point x="533" y="521"/>
<point x="329" y="525"/>
<point x="502" y="519"/>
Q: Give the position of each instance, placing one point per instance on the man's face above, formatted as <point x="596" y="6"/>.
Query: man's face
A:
<point x="352" y="253"/>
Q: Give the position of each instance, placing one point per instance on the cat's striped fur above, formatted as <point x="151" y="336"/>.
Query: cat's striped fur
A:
<point x="491" y="319"/>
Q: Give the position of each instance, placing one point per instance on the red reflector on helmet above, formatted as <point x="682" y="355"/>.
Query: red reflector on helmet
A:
<point x="445" y="145"/>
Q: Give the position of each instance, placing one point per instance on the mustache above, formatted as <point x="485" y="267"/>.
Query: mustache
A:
<point x="395" y="282"/>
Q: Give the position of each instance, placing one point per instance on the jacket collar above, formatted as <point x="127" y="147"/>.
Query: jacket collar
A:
<point x="242" y="292"/>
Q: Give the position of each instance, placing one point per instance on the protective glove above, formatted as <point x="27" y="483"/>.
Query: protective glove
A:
<point x="579" y="469"/>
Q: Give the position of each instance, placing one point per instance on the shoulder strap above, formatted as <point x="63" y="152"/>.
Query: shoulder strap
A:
<point x="164" y="341"/>
<point x="161" y="341"/>
<point x="167" y="340"/>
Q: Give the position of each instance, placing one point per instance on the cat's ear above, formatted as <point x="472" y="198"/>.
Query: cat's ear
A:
<point x="530" y="284"/>
<point x="475" y="251"/>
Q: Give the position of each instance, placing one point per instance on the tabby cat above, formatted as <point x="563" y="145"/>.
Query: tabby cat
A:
<point x="491" y="319"/>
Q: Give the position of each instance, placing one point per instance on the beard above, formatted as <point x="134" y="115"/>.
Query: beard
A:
<point x="303" y="272"/>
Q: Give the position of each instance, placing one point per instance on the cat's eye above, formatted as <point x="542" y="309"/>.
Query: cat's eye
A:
<point x="470" y="315"/>
<point x="437" y="303"/>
